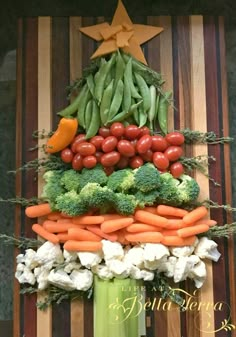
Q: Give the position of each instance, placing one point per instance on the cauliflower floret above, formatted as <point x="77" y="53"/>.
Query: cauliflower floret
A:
<point x="72" y="266"/>
<point x="89" y="259"/>
<point x="183" y="267"/>
<point x="30" y="259"/>
<point x="182" y="251"/>
<point x="207" y="248"/>
<point x="24" y="275"/>
<point x="82" y="279"/>
<point x="41" y="275"/>
<point x="135" y="273"/>
<point x="48" y="254"/>
<point x="168" y="267"/>
<point x="198" y="274"/>
<point x="61" y="279"/>
<point x="112" y="250"/>
<point x="20" y="258"/>
<point x="134" y="256"/>
<point x="154" y="255"/>
<point x="69" y="256"/>
<point x="119" y="268"/>
<point x="147" y="275"/>
<point x="103" y="272"/>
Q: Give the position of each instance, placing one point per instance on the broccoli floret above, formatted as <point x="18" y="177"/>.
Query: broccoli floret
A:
<point x="121" y="180"/>
<point x="71" y="203"/>
<point x="125" y="203"/>
<point x="94" y="175"/>
<point x="188" y="189"/>
<point x="52" y="188"/>
<point x="168" y="190"/>
<point x="97" y="196"/>
<point x="70" y="180"/>
<point x="146" y="199"/>
<point x="146" y="178"/>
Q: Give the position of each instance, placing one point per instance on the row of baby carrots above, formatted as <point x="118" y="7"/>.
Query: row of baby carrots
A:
<point x="164" y="224"/>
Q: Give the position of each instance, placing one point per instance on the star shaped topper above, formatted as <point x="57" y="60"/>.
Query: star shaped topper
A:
<point x="122" y="33"/>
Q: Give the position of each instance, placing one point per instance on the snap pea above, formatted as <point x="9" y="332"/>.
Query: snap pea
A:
<point x="126" y="102"/>
<point x="94" y="122"/>
<point x="125" y="114"/>
<point x="83" y="104"/>
<point x="163" y="112"/>
<point x="73" y="107"/>
<point x="117" y="99"/>
<point x="142" y="116"/>
<point x="129" y="75"/>
<point x="106" y="102"/>
<point x="152" y="109"/>
<point x="119" y="69"/>
<point x="155" y="119"/>
<point x="88" y="114"/>
<point x="90" y="83"/>
<point x="144" y="90"/>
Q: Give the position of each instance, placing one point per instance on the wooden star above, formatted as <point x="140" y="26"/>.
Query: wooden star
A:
<point x="122" y="33"/>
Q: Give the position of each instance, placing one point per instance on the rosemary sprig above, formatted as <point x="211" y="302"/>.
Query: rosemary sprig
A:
<point x="197" y="137"/>
<point x="212" y="204"/>
<point x="41" y="134"/>
<point x="221" y="231"/>
<point x="20" y="242"/>
<point x="22" y="201"/>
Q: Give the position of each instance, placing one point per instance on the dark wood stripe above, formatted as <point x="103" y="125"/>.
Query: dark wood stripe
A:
<point x="29" y="125"/>
<point x="88" y="318"/>
<point x="153" y="46"/>
<point x="60" y="80"/>
<point x="88" y="45"/>
<point x="214" y="116"/>
<point x="175" y="70"/>
<point x="151" y="321"/>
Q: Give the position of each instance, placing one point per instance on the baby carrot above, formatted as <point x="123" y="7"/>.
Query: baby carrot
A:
<point x="97" y="230"/>
<point x="150" y="209"/>
<point x="178" y="241"/>
<point x="195" y="215"/>
<point x="175" y="224"/>
<point x="64" y="220"/>
<point x="88" y="220"/>
<point x="112" y="216"/>
<point x="121" y="237"/>
<point x="150" y="219"/>
<point x="63" y="237"/>
<point x="169" y="232"/>
<point x="208" y="222"/>
<point x="38" y="210"/>
<point x="55" y="227"/>
<point x="86" y="246"/>
<point x="192" y="230"/>
<point x="54" y="216"/>
<point x="141" y="227"/>
<point x="82" y="235"/>
<point x="171" y="211"/>
<point x="109" y="226"/>
<point x="151" y="237"/>
<point x="44" y="234"/>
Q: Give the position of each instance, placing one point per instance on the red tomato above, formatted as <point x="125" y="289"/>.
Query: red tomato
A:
<point x="144" y="130"/>
<point x="77" y="162"/>
<point x="147" y="156"/>
<point x="176" y="169"/>
<point x="98" y="155"/>
<point x="123" y="162"/>
<point x="173" y="153"/>
<point x="126" y="148"/>
<point x="97" y="141"/>
<point x="144" y="143"/>
<point x="110" y="158"/>
<point x="104" y="131"/>
<point x="135" y="162"/>
<point x="134" y="143"/>
<point x="175" y="138"/>
<point x="132" y="131"/>
<point x="67" y="155"/>
<point x="159" y="143"/>
<point x="109" y="170"/>
<point x="86" y="149"/>
<point x="117" y="129"/>
<point x="160" y="160"/>
<point x="89" y="161"/>
<point x="109" y="144"/>
<point x="77" y="140"/>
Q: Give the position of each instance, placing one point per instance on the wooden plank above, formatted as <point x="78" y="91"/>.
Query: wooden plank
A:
<point x="44" y="318"/>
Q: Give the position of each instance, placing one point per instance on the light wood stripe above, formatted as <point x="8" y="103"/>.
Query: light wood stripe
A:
<point x="44" y="318"/>
<point x="199" y="122"/>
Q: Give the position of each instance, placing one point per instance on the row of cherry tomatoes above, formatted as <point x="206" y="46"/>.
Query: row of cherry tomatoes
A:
<point x="120" y="147"/>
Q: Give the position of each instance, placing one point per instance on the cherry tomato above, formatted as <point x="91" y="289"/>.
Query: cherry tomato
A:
<point x="109" y="170"/>
<point x="123" y="162"/>
<point x="134" y="143"/>
<point x="176" y="169"/>
<point x="135" y="162"/>
<point x="104" y="131"/>
<point x="147" y="156"/>
<point x="173" y="153"/>
<point x="144" y="130"/>
<point x="126" y="148"/>
<point x="77" y="140"/>
<point x="117" y="129"/>
<point x="110" y="158"/>
<point x="77" y="162"/>
<point x="97" y="141"/>
<point x="89" y="161"/>
<point x="160" y="160"/>
<point x="132" y="131"/>
<point x="86" y="149"/>
<point x="98" y="155"/>
<point x="67" y="155"/>
<point x="109" y="144"/>
<point x="144" y="143"/>
<point x="175" y="138"/>
<point x="159" y="143"/>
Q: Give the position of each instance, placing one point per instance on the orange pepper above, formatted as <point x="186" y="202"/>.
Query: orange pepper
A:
<point x="63" y="136"/>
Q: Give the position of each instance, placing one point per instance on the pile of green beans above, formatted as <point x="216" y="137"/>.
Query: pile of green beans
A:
<point x="120" y="90"/>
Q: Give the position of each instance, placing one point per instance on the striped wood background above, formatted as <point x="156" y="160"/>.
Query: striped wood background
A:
<point x="190" y="54"/>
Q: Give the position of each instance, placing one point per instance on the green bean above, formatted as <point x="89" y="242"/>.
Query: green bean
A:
<point x="144" y="90"/>
<point x="117" y="99"/>
<point x="125" y="114"/>
<point x="163" y="112"/>
<point x="128" y="74"/>
<point x="82" y="105"/>
<point x="88" y="114"/>
<point x="152" y="109"/>
<point x="106" y="102"/>
<point x="90" y="83"/>
<point x="95" y="121"/>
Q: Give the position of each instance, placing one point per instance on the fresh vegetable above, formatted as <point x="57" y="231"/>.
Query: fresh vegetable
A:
<point x="150" y="219"/>
<point x="88" y="220"/>
<point x="146" y="178"/>
<point x="86" y="246"/>
<point x="171" y="211"/>
<point x="38" y="210"/>
<point x="82" y="235"/>
<point x="195" y="215"/>
<point x="192" y="230"/>
<point x="109" y="226"/>
<point x="38" y="229"/>
<point x="121" y="180"/>
<point x="150" y="237"/>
